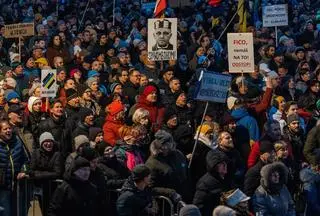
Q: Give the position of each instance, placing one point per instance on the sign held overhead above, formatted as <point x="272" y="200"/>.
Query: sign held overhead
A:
<point x="19" y="30"/>
<point x="240" y="53"/>
<point x="275" y="15"/>
<point x="48" y="83"/>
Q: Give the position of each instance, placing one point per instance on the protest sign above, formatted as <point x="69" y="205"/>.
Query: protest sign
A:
<point x="48" y="83"/>
<point x="19" y="30"/>
<point x="213" y="87"/>
<point x="148" y="5"/>
<point x="162" y="39"/>
<point x="240" y="53"/>
<point x="275" y="15"/>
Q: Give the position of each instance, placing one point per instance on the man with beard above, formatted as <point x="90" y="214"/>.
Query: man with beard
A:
<point x="293" y="134"/>
<point x="236" y="165"/>
<point x="252" y="177"/>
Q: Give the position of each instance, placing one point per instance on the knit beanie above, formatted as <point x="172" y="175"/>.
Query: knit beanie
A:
<point x="84" y="112"/>
<point x="91" y="80"/>
<point x="89" y="153"/>
<point x="204" y="129"/>
<point x="169" y="113"/>
<point x="14" y="65"/>
<point x="82" y="89"/>
<point x="93" y="132"/>
<point x="11" y="82"/>
<point x="148" y="90"/>
<point x="31" y="101"/>
<point x="78" y="163"/>
<point x="93" y="73"/>
<point x="140" y="172"/>
<point x="223" y="211"/>
<point x="11" y="95"/>
<point x="45" y="136"/>
<point x="231" y="102"/>
<point x="71" y="94"/>
<point x="266" y="147"/>
<point x="34" y="87"/>
<point x="293" y="117"/>
<point x="115" y="107"/>
<point x="80" y="140"/>
<point x="189" y="210"/>
<point x="113" y="86"/>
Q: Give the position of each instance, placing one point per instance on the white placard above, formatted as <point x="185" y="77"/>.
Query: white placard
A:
<point x="240" y="53"/>
<point x="48" y="83"/>
<point x="275" y="15"/>
<point x="162" y="39"/>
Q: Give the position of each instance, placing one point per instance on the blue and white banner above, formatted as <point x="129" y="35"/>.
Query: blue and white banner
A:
<point x="213" y="87"/>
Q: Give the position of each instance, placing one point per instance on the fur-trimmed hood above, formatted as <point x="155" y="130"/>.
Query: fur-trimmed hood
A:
<point x="268" y="169"/>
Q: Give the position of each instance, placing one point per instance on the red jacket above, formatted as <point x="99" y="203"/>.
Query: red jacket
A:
<point x="111" y="130"/>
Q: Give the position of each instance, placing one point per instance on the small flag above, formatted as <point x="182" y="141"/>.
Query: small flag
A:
<point x="161" y="6"/>
<point x="242" y="12"/>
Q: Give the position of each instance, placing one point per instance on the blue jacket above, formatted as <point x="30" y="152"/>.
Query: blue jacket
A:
<point x="311" y="186"/>
<point x="12" y="160"/>
<point x="243" y="119"/>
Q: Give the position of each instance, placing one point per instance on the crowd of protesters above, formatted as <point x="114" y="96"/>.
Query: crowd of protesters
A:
<point x="121" y="121"/>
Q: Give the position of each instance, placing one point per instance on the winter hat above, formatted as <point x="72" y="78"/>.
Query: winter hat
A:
<point x="42" y="61"/>
<point x="121" y="55"/>
<point x="113" y="86"/>
<point x="202" y="59"/>
<point x="161" y="138"/>
<point x="293" y="117"/>
<point x="169" y="113"/>
<point x="15" y="109"/>
<point x="231" y="102"/>
<point x="93" y="73"/>
<point x="91" y="80"/>
<point x="140" y="172"/>
<point x="266" y="147"/>
<point x="4" y="69"/>
<point x="148" y="90"/>
<point x="299" y="49"/>
<point x="14" y="65"/>
<point x="89" y="153"/>
<point x="13" y="56"/>
<point x="12" y="95"/>
<point x="189" y="210"/>
<point x="71" y="94"/>
<point x="31" y="101"/>
<point x="45" y="136"/>
<point x="34" y="87"/>
<point x="177" y="94"/>
<point x="84" y="112"/>
<point x="78" y="163"/>
<point x="80" y="140"/>
<point x="88" y="59"/>
<point x="224" y="211"/>
<point x="279" y="145"/>
<point x="82" y="89"/>
<point x="115" y="107"/>
<point x="11" y="82"/>
<point x="213" y="158"/>
<point x="93" y="132"/>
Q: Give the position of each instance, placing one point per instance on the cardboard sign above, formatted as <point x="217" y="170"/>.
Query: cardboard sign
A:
<point x="48" y="83"/>
<point x="240" y="53"/>
<point x="162" y="39"/>
<point x="213" y="87"/>
<point x="275" y="15"/>
<point x="19" y="30"/>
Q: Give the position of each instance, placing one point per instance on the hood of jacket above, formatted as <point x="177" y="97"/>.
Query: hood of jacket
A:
<point x="268" y="169"/>
<point x="214" y="157"/>
<point x="307" y="175"/>
<point x="239" y="113"/>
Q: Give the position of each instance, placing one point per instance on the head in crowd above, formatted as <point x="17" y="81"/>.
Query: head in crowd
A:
<point x="47" y="142"/>
<point x="141" y="117"/>
<point x="163" y="144"/>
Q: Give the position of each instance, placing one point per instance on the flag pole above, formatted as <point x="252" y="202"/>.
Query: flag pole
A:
<point x="84" y="13"/>
<point x="113" y="12"/>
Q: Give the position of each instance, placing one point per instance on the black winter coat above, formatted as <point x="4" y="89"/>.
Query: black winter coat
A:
<point x="132" y="201"/>
<point x="131" y="91"/>
<point x="31" y="124"/>
<point x="252" y="178"/>
<point x="46" y="165"/>
<point x="81" y="129"/>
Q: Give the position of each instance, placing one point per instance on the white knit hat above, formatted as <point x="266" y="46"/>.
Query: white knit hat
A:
<point x="11" y="82"/>
<point x="31" y="101"/>
<point x="230" y="102"/>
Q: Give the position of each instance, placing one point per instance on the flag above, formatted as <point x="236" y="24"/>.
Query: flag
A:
<point x="161" y="6"/>
<point x="242" y="12"/>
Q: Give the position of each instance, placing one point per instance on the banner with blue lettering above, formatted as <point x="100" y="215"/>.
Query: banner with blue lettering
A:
<point x="213" y="87"/>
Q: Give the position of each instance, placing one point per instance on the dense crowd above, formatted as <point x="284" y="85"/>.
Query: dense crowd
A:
<point x="122" y="122"/>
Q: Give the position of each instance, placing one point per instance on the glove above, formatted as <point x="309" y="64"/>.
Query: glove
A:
<point x="176" y="197"/>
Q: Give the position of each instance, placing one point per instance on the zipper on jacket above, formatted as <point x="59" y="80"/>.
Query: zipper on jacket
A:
<point x="12" y="166"/>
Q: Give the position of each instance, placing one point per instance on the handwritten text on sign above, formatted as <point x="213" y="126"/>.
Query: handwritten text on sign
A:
<point x="19" y="30"/>
<point x="240" y="52"/>
<point x="214" y="87"/>
<point x="275" y="15"/>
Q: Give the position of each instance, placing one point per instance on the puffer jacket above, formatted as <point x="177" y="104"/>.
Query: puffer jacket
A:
<point x="132" y="201"/>
<point x="270" y="199"/>
<point x="311" y="149"/>
<point x="311" y="187"/>
<point x="128" y="155"/>
<point x="111" y="130"/>
<point x="12" y="161"/>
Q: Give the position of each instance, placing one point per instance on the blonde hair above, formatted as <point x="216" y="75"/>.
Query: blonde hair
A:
<point x="139" y="114"/>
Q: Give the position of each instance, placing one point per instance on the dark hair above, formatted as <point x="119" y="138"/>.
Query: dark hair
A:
<point x="52" y="39"/>
<point x="54" y="102"/>
<point x="283" y="66"/>
<point x="132" y="70"/>
<point x="174" y="78"/>
<point x="288" y="105"/>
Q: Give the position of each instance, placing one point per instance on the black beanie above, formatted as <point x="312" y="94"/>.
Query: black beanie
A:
<point x="266" y="147"/>
<point x="93" y="132"/>
<point x="78" y="163"/>
<point x="168" y="114"/>
<point x="84" y="112"/>
<point x="71" y="93"/>
<point x="89" y="153"/>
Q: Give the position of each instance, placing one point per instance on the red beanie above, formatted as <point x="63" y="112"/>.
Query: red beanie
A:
<point x="148" y="90"/>
<point x="115" y="107"/>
